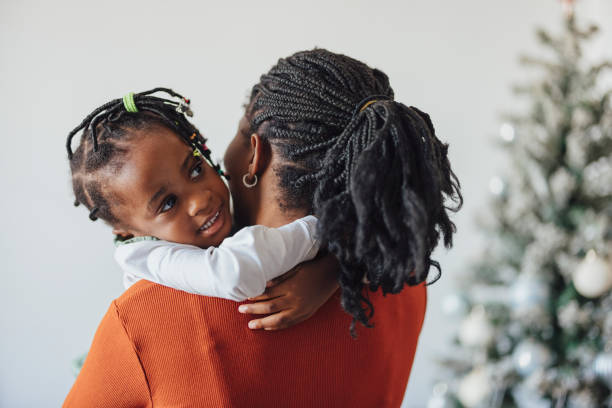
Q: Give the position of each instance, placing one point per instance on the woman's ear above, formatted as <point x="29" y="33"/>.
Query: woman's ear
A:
<point x="258" y="160"/>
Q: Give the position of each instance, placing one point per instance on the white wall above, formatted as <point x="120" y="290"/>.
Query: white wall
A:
<point x="59" y="59"/>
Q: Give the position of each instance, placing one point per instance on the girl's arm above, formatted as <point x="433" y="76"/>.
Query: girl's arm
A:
<point x="237" y="269"/>
<point x="297" y="296"/>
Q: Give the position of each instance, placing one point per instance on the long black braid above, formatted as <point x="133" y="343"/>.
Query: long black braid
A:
<point x="371" y="169"/>
<point x="105" y="141"/>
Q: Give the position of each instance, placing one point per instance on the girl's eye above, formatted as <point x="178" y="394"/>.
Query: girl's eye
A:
<point x="196" y="171"/>
<point x="168" y="204"/>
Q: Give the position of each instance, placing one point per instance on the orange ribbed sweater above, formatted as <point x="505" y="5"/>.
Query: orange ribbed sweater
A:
<point x="161" y="347"/>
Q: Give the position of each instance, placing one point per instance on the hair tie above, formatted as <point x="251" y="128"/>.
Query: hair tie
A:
<point x="129" y="104"/>
<point x="365" y="102"/>
<point x="368" y="104"/>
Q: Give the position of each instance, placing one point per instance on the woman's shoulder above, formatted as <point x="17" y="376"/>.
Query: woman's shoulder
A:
<point x="141" y="290"/>
<point x="144" y="296"/>
<point x="145" y="305"/>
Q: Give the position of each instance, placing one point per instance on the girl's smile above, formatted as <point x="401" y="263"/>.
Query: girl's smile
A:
<point x="213" y="224"/>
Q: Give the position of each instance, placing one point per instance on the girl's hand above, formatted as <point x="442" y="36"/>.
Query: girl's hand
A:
<point x="294" y="296"/>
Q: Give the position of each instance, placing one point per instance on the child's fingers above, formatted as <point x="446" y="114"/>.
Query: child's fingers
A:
<point x="258" y="298"/>
<point x="263" y="307"/>
<point x="264" y="296"/>
<point x="275" y="321"/>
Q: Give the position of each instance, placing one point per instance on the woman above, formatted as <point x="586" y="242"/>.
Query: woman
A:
<point x="321" y="135"/>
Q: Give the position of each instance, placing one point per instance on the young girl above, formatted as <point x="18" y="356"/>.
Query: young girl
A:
<point x="142" y="167"/>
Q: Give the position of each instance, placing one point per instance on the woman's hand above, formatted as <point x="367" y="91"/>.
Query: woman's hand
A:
<point x="294" y="296"/>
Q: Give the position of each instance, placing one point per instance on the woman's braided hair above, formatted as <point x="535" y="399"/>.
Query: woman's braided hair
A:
<point x="372" y="170"/>
<point x="107" y="133"/>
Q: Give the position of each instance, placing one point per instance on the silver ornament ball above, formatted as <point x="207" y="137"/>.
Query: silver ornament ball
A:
<point x="529" y="293"/>
<point x="530" y="356"/>
<point x="602" y="366"/>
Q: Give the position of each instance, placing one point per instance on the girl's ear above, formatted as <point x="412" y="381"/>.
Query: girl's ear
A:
<point x="259" y="159"/>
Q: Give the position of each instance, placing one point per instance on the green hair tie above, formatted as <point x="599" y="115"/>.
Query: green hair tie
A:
<point x="128" y="102"/>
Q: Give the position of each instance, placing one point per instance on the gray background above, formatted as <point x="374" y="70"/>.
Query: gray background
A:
<point x="60" y="59"/>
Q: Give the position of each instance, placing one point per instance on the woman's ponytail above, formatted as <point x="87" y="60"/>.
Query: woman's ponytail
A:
<point x="379" y="199"/>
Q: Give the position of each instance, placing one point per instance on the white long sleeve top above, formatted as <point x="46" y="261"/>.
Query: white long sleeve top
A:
<point x="237" y="269"/>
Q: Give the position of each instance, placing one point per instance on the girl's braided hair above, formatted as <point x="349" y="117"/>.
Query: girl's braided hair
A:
<point x="371" y="169"/>
<point x="107" y="132"/>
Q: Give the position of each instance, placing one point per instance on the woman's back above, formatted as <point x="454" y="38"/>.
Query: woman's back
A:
<point x="186" y="350"/>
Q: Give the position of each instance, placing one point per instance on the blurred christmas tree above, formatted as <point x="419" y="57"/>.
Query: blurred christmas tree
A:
<point x="537" y="308"/>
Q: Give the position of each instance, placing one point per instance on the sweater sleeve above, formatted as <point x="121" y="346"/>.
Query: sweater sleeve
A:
<point x="237" y="269"/>
<point x="112" y="375"/>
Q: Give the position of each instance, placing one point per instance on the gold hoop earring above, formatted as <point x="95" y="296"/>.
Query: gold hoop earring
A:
<point x="246" y="183"/>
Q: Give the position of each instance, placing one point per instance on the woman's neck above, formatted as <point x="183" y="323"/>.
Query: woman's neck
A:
<point x="270" y="212"/>
<point x="273" y="216"/>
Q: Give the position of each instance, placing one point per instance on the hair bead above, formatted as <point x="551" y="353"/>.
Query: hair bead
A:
<point x="92" y="213"/>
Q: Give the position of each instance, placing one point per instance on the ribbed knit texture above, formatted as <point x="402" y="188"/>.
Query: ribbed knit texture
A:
<point x="161" y="347"/>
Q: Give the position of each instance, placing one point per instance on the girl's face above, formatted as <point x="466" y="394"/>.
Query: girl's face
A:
<point x="162" y="190"/>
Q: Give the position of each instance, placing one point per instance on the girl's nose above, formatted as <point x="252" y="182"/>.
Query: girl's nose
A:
<point x="199" y="202"/>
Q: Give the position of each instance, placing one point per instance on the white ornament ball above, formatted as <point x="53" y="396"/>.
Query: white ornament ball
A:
<point x="507" y="132"/>
<point x="529" y="293"/>
<point x="474" y="388"/>
<point x="597" y="178"/>
<point x="525" y="396"/>
<point x="593" y="276"/>
<point x="602" y="366"/>
<point x="475" y="330"/>
<point x="497" y="186"/>
<point x="440" y="398"/>
<point x="530" y="356"/>
<point x="454" y="305"/>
